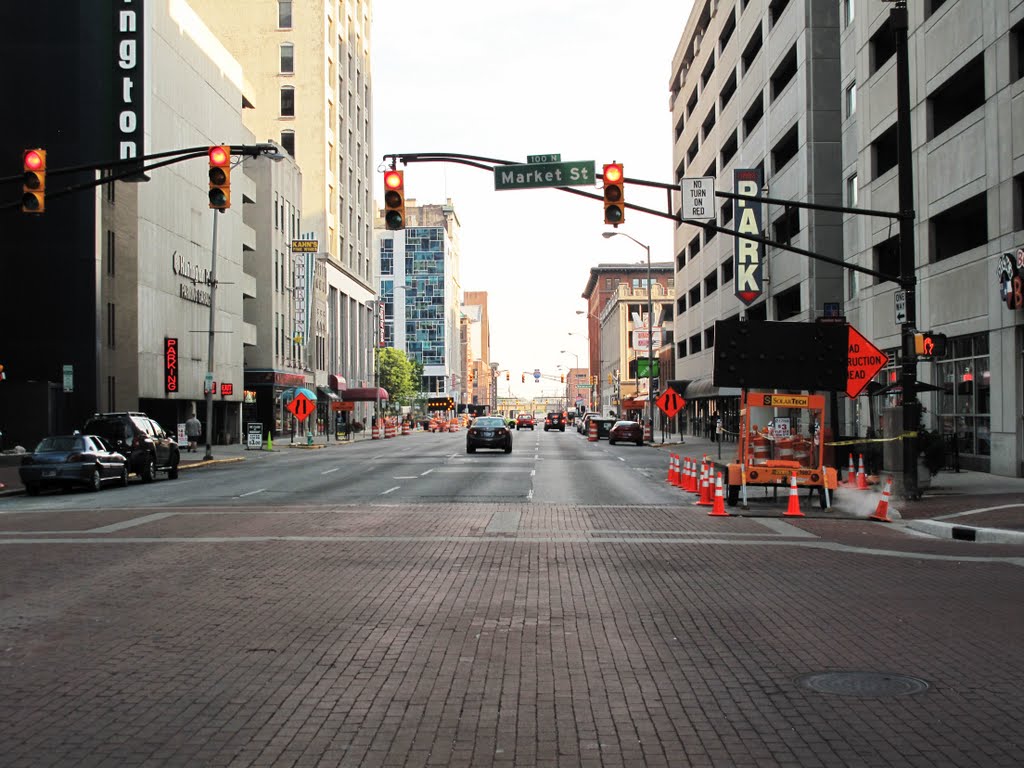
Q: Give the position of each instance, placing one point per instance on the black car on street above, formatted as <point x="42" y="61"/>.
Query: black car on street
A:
<point x="141" y="440"/>
<point x="489" y="432"/>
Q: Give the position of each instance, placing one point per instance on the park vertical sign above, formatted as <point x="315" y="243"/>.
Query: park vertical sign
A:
<point x="748" y="260"/>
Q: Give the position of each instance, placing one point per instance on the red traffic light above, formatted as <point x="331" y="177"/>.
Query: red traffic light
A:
<point x="614" y="194"/>
<point x="220" y="156"/>
<point x="613" y="173"/>
<point x="394" y="200"/>
<point x="34" y="160"/>
<point x="393" y="179"/>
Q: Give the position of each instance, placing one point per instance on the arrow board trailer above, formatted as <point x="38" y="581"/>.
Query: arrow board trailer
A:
<point x="780" y="436"/>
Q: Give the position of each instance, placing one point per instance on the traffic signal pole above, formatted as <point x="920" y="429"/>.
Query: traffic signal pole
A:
<point x="212" y="335"/>
<point x="908" y="277"/>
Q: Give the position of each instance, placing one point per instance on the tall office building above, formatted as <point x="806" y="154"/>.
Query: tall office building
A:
<point x="420" y="288"/>
<point x="967" y="91"/>
<point x="481" y="377"/>
<point x="309" y="65"/>
<point x="754" y="86"/>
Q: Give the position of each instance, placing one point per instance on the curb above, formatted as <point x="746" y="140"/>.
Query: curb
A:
<point x="966" y="532"/>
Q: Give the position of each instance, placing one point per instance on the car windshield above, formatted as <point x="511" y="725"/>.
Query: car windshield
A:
<point x="626" y="424"/>
<point x="62" y="443"/>
<point x="488" y="422"/>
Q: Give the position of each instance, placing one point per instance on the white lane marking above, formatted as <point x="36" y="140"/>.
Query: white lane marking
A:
<point x="529" y="496"/>
<point x="328" y="471"/>
<point x="533" y="472"/>
<point x="389" y="490"/>
<point x="252" y="493"/>
<point x="620" y="458"/>
<point x="404" y="477"/>
<point x="427" y="472"/>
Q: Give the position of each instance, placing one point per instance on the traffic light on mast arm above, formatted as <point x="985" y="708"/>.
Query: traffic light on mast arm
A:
<point x="614" y="196"/>
<point x="220" y="178"/>
<point x="394" y="199"/>
<point x="524" y="378"/>
<point x="33" y="199"/>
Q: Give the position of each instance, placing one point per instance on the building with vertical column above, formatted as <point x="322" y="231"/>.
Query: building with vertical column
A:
<point x="421" y="291"/>
<point x="309" y="65"/>
<point x="967" y="123"/>
<point x="478" y="358"/>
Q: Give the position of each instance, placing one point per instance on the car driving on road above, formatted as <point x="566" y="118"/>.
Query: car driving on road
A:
<point x="488" y="432"/>
<point x="524" y="420"/>
<point x="69" y="460"/>
<point x="554" y="420"/>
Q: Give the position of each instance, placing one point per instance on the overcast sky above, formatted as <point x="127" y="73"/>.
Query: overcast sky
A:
<point x="588" y="79"/>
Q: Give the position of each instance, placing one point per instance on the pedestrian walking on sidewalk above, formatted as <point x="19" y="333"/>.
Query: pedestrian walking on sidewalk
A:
<point x="193" y="429"/>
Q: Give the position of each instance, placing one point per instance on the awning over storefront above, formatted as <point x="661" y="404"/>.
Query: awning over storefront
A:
<point x="364" y="394"/>
<point x="292" y="392"/>
<point x="703" y="389"/>
<point x="336" y="382"/>
<point x="326" y="394"/>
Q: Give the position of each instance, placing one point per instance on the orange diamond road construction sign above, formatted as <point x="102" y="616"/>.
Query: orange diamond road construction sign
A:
<point x="863" y="361"/>
<point x="301" y="407"/>
<point x="670" y="402"/>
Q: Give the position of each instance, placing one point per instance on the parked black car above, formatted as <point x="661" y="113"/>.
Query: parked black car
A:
<point x="142" y="440"/>
<point x="68" y="460"/>
<point x="629" y="431"/>
<point x="489" y="432"/>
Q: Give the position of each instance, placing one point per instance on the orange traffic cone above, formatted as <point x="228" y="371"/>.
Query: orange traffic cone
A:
<point x="706" y="493"/>
<point x="851" y="475"/>
<point x="718" y="508"/>
<point x="862" y="478"/>
<point x="671" y="469"/>
<point x="677" y="474"/>
<point x="793" y="510"/>
<point x="882" y="510"/>
<point x="688" y="474"/>
<point x="699" y="488"/>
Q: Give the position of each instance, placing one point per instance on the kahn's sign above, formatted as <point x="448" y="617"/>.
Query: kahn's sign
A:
<point x="196" y="275"/>
<point x="128" y="81"/>
<point x="748" y="260"/>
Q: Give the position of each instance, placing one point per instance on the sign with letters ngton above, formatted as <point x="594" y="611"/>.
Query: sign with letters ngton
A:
<point x="128" y="79"/>
<point x="749" y="217"/>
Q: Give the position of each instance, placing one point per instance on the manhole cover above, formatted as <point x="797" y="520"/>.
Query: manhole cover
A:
<point x="864" y="684"/>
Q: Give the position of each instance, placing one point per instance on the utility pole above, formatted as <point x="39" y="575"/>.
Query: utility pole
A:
<point x="908" y="277"/>
<point x="212" y="335"/>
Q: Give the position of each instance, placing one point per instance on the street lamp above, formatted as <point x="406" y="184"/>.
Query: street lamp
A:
<point x="650" y="328"/>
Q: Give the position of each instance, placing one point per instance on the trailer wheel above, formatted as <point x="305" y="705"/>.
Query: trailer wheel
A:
<point x="733" y="497"/>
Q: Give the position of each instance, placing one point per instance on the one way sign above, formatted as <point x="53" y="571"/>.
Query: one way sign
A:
<point x="901" y="307"/>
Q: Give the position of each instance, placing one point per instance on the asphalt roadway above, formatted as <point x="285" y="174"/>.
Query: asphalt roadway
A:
<point x="401" y="603"/>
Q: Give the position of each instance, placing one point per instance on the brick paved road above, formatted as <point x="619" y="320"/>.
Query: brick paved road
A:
<point x="498" y="634"/>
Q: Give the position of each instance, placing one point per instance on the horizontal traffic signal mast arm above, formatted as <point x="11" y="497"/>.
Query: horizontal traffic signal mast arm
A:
<point x="477" y="161"/>
<point x="132" y="164"/>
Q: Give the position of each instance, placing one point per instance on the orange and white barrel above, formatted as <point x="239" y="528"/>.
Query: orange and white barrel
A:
<point x="762" y="450"/>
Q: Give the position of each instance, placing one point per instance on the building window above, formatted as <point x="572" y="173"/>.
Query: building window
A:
<point x="695" y="343"/>
<point x="753" y="115"/>
<point x="775" y="10"/>
<point x="725" y="213"/>
<point x="728" y="27"/>
<point x="691" y="153"/>
<point x="287" y="59"/>
<point x="787" y="303"/>
<point x="882" y="47"/>
<point x="1017" y="52"/>
<point x="284" y="14"/>
<point x="786" y="225"/>
<point x="786" y="149"/>
<point x="709" y="337"/>
<point x="680" y="305"/>
<point x="607" y="283"/>
<point x="110" y="253"/>
<point x="960" y="228"/>
<point x="691" y="104"/>
<point x="751" y="50"/>
<point x="729" y="148"/>
<point x="956" y="98"/>
<point x="728" y="90"/>
<point x="680" y="260"/>
<point x="884" y="153"/>
<point x="1018" y="201"/>
<point x="851" y="191"/>
<point x="681" y="349"/>
<point x="709" y="69"/>
<point x="886" y="257"/>
<point x="287" y="101"/>
<point x="111" y="330"/>
<point x="727" y="271"/>
<point x="288" y="142"/>
<point x="847" y="12"/>
<point x="109" y="186"/>
<point x="965" y="402"/>
<point x="711" y="283"/>
<point x="694" y="298"/>
<point x="783" y="74"/>
<point x="851" y="100"/>
<point x="693" y="248"/>
<point x="708" y="124"/>
<point x="931" y="6"/>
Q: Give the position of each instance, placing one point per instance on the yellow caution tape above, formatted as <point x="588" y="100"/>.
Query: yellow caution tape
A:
<point x="875" y="439"/>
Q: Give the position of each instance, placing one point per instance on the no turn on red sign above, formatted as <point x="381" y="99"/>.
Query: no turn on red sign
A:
<point x="863" y="361"/>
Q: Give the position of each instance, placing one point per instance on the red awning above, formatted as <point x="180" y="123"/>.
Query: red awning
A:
<point x="363" y="394"/>
<point x="336" y="382"/>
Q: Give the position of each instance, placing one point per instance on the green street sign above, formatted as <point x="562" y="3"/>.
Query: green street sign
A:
<point x="642" y="365"/>
<point x="583" y="386"/>
<point x="579" y="173"/>
<point x="552" y="158"/>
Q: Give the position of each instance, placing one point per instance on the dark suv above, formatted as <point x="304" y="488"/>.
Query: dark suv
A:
<point x="140" y="439"/>
<point x="555" y="420"/>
